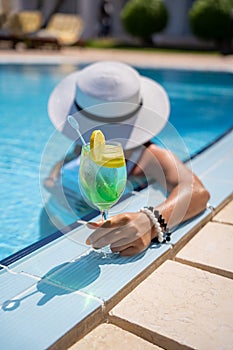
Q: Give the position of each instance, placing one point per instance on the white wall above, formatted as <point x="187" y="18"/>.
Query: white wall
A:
<point x="178" y="23"/>
<point x="89" y="11"/>
<point x="15" y="5"/>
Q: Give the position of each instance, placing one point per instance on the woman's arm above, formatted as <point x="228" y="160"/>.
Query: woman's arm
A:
<point x="187" y="195"/>
<point x="54" y="174"/>
<point x="131" y="233"/>
<point x="50" y="180"/>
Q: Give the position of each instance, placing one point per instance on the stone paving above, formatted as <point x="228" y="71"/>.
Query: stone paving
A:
<point x="185" y="304"/>
<point x="146" y="58"/>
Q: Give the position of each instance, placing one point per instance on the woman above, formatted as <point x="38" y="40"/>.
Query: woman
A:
<point x="113" y="97"/>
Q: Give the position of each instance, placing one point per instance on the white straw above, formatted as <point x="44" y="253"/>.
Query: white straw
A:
<point x="75" y="125"/>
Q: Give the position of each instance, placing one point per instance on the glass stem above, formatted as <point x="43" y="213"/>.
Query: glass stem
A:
<point x="104" y="214"/>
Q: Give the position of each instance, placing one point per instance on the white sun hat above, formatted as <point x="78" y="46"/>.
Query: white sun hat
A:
<point x="113" y="97"/>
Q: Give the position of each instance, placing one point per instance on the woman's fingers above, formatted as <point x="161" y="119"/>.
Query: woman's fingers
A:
<point x="115" y="221"/>
<point x="100" y="231"/>
<point x="103" y="238"/>
<point x="125" y="233"/>
<point x="93" y="225"/>
<point x="108" y="226"/>
<point x="117" y="237"/>
<point x="133" y="247"/>
<point x="130" y="251"/>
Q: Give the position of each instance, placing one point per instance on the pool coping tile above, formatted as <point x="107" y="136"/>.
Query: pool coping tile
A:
<point x="181" y="235"/>
<point x="96" y="271"/>
<point x="49" y="256"/>
<point x="214" y="154"/>
<point x="46" y="313"/>
<point x="12" y="284"/>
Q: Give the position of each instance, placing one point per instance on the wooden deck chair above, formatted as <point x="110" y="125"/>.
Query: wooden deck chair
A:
<point x="66" y="28"/>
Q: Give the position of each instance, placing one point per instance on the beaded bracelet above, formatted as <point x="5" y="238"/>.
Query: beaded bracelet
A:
<point x="164" y="234"/>
<point x="154" y="221"/>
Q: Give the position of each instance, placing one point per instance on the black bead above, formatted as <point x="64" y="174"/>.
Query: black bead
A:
<point x="156" y="214"/>
<point x="161" y="221"/>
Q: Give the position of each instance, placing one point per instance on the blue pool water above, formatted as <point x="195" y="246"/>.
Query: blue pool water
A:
<point x="201" y="107"/>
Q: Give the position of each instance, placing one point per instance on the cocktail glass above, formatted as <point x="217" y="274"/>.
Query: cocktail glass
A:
<point x="102" y="175"/>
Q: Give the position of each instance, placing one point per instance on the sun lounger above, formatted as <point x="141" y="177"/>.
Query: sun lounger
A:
<point x="3" y="17"/>
<point x="66" y="29"/>
<point x="19" y="25"/>
<point x="23" y="23"/>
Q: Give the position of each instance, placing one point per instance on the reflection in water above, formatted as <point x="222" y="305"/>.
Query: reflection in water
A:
<point x="46" y="226"/>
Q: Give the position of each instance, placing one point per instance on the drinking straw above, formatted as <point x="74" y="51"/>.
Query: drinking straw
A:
<point x="75" y="125"/>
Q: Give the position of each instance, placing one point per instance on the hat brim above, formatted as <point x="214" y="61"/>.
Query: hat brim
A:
<point x="139" y="128"/>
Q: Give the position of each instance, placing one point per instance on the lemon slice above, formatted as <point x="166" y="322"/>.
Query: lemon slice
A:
<point x="97" y="144"/>
<point x="105" y="155"/>
<point x="114" y="161"/>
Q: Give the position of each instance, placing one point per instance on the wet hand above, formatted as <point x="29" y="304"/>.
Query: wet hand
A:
<point x="128" y="233"/>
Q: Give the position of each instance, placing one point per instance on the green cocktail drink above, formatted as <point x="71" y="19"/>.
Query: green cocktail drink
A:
<point x="102" y="174"/>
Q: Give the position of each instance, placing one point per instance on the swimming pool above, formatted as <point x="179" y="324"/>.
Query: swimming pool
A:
<point x="201" y="103"/>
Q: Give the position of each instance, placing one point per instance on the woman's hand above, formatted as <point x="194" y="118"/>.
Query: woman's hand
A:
<point x="128" y="233"/>
<point x="49" y="183"/>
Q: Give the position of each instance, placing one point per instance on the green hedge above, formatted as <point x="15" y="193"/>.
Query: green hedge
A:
<point x="143" y="18"/>
<point x="210" y="19"/>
